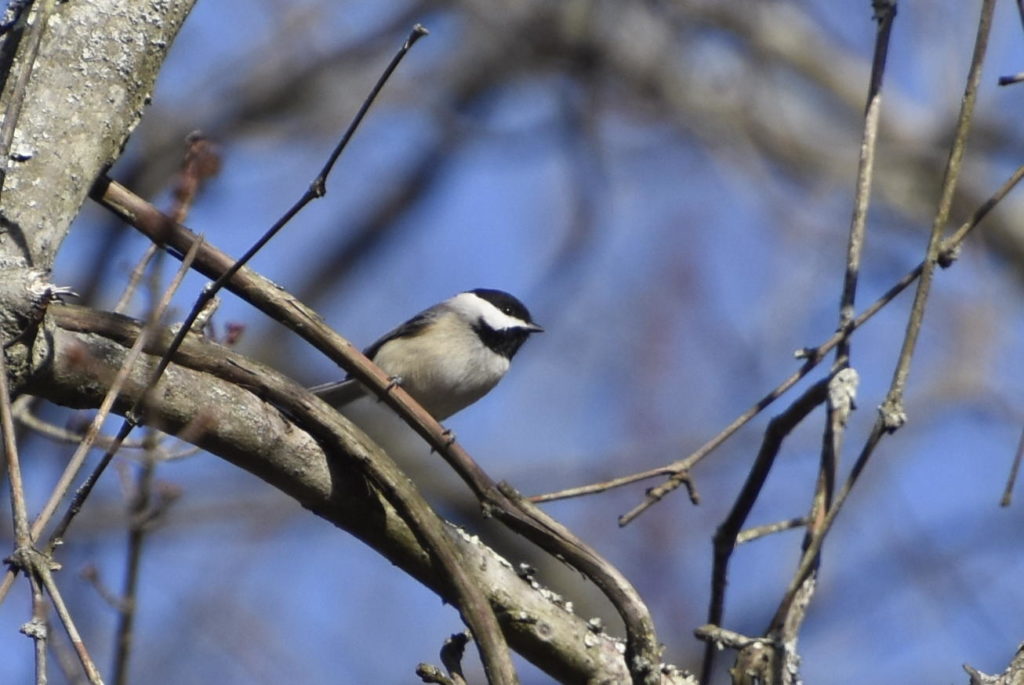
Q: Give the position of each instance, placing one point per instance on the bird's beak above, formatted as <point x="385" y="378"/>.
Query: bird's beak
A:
<point x="534" y="328"/>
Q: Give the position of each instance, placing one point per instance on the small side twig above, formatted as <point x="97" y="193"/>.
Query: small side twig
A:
<point x="136" y="277"/>
<point x="91" y="575"/>
<point x="138" y="525"/>
<point x="725" y="539"/>
<point x="42" y="568"/>
<point x="595" y="488"/>
<point x="720" y="637"/>
<point x="430" y="673"/>
<point x="34" y="563"/>
<point x="37" y="629"/>
<point x="758" y="532"/>
<point x="22" y="409"/>
<point x="1011" y="480"/>
<point x="451" y="657"/>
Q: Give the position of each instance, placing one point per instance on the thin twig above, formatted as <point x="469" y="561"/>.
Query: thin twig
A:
<point x="138" y="525"/>
<point x="1012" y="478"/>
<point x="24" y="416"/>
<point x="136" y="277"/>
<point x="758" y="532"/>
<point x="892" y="407"/>
<point x="202" y="162"/>
<point x="19" y="512"/>
<point x="891" y="415"/>
<point x="190" y="179"/>
<point x="318" y="187"/>
<point x="429" y="673"/>
<point x="725" y="539"/>
<point x="947" y="254"/>
<point x="91" y="575"/>
<point x="37" y="628"/>
<point x="810" y="554"/>
<point x="838" y="412"/>
<point x="865" y="170"/>
<point x="594" y="488"/>
<point x="41" y="567"/>
<point x="724" y="638"/>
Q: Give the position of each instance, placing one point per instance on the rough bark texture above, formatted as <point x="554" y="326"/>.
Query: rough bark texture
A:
<point x="97" y="63"/>
<point x="85" y="90"/>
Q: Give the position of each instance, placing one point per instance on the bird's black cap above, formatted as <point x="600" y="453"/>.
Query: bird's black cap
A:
<point x="506" y="303"/>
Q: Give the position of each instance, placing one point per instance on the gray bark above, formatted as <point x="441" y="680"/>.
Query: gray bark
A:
<point x="74" y="86"/>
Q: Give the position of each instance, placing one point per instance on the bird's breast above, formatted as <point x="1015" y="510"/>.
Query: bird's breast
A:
<point x="445" y="371"/>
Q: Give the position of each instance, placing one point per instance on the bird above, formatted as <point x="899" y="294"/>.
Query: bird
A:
<point x="448" y="356"/>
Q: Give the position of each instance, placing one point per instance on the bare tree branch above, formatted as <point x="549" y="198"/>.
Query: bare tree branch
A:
<point x="236" y="402"/>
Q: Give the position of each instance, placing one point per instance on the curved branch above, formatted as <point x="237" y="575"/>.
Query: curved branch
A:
<point x="247" y="414"/>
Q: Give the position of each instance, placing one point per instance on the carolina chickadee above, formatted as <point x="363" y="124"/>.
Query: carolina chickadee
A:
<point x="449" y="356"/>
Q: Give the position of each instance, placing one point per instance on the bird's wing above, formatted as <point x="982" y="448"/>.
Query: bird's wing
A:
<point x="339" y="393"/>
<point x="409" y="329"/>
